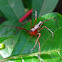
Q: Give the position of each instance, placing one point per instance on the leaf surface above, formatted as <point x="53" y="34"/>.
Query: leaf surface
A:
<point x="44" y="6"/>
<point x="12" y="9"/>
<point x="21" y="43"/>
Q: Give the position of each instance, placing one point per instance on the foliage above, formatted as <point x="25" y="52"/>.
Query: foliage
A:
<point x="17" y="46"/>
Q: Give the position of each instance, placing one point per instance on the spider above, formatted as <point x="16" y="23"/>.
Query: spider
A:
<point x="34" y="31"/>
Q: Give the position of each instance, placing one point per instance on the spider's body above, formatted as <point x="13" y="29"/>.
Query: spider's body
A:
<point x="35" y="29"/>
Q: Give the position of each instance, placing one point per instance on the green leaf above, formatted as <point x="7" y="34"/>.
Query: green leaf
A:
<point x="18" y="43"/>
<point x="21" y="43"/>
<point x="3" y="38"/>
<point x="44" y="6"/>
<point x="1" y="14"/>
<point x="12" y="9"/>
<point x="1" y="57"/>
<point x="27" y="3"/>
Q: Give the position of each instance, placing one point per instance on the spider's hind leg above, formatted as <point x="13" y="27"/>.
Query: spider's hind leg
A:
<point x="47" y="29"/>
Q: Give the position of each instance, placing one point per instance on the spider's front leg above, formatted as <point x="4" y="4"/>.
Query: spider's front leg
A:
<point x="35" y="18"/>
<point x="27" y="22"/>
<point x="38" y="42"/>
<point x="31" y="21"/>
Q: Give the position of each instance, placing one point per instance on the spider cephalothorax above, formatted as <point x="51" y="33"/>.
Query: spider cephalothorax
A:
<point x="34" y="30"/>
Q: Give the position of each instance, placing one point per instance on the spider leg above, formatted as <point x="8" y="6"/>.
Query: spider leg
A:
<point x="47" y="29"/>
<point x="39" y="43"/>
<point x="48" y="19"/>
<point x="35" y="18"/>
<point x="31" y="20"/>
<point x="27" y="22"/>
<point x="13" y="35"/>
<point x="36" y="42"/>
<point x="39" y="48"/>
<point x="16" y="31"/>
<point x="45" y="21"/>
<point x="15" y="27"/>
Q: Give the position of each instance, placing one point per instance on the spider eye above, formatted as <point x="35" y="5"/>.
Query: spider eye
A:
<point x="30" y="30"/>
<point x="40" y="25"/>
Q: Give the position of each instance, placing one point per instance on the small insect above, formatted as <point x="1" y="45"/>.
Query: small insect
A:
<point x="34" y="31"/>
